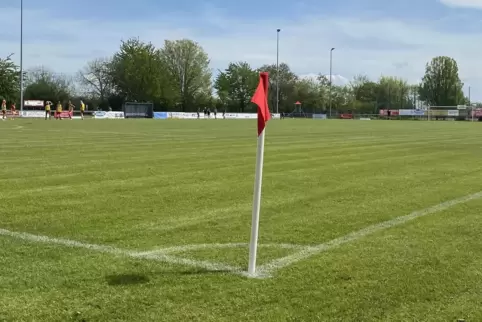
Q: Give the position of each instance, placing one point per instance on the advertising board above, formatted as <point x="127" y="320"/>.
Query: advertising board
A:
<point x="33" y="114"/>
<point x="411" y="112"/>
<point x="33" y="103"/>
<point x="160" y="115"/>
<point x="452" y="113"/>
<point x="319" y="116"/>
<point x="108" y="115"/>
<point x="392" y="112"/>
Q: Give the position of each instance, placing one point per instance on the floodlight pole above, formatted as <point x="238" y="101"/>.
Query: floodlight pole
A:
<point x="277" y="70"/>
<point x="331" y="72"/>
<point x="21" y="57"/>
<point x="471" y="108"/>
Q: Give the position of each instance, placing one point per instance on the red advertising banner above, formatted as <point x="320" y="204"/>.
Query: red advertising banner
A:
<point x="477" y="112"/>
<point x="63" y="114"/>
<point x="346" y="116"/>
<point x="392" y="112"/>
<point x="11" y="113"/>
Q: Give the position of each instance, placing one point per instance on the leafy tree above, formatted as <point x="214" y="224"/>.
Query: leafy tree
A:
<point x="311" y="93"/>
<point x="187" y="65"/>
<point x="287" y="84"/>
<point x="413" y="95"/>
<point x="43" y="84"/>
<point x="366" y="92"/>
<point x="361" y="95"/>
<point x="441" y="85"/>
<point x="393" y="93"/>
<point x="9" y="80"/>
<point x="236" y="85"/>
<point x="137" y="72"/>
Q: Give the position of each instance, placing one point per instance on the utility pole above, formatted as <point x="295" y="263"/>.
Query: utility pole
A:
<point x="331" y="72"/>
<point x="21" y="57"/>
<point x="471" y="108"/>
<point x="277" y="70"/>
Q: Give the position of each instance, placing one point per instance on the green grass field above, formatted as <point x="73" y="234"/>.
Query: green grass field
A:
<point x="146" y="185"/>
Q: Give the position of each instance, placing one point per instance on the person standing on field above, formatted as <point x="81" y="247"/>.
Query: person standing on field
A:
<point x="82" y="109"/>
<point x="13" y="110"/>
<point x="71" y="109"/>
<point x="47" y="109"/>
<point x="215" y="113"/>
<point x="59" y="110"/>
<point x="4" y="109"/>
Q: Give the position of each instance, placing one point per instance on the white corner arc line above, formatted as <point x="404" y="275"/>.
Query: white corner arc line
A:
<point x="269" y="268"/>
<point x="186" y="248"/>
<point x="264" y="270"/>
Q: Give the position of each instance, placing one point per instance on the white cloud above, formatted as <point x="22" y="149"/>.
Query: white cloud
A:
<point x="373" y="47"/>
<point x="336" y="79"/>
<point x="463" y="3"/>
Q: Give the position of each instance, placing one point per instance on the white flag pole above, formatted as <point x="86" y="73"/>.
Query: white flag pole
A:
<point x="253" y="245"/>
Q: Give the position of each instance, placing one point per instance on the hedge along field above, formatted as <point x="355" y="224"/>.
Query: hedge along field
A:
<point x="145" y="185"/>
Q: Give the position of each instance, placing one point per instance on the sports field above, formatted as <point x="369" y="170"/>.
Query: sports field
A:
<point x="149" y="220"/>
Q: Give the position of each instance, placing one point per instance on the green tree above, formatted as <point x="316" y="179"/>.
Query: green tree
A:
<point x="365" y="90"/>
<point x="138" y="73"/>
<point x="187" y="65"/>
<point x="441" y="85"/>
<point x="287" y="87"/>
<point x="393" y="93"/>
<point x="362" y="95"/>
<point x="413" y="95"/>
<point x="236" y="85"/>
<point x="311" y="93"/>
<point x="9" y="80"/>
<point x="43" y="84"/>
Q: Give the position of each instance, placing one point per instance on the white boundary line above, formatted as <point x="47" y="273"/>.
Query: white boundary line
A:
<point x="273" y="266"/>
<point x="121" y="252"/>
<point x="266" y="270"/>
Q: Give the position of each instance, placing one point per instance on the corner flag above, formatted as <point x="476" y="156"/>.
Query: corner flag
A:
<point x="260" y="98"/>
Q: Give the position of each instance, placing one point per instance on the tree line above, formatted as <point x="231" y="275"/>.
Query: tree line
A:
<point x="178" y="77"/>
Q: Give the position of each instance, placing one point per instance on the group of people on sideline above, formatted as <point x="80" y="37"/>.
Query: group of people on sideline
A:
<point x="207" y="113"/>
<point x="48" y="110"/>
<point x="59" y="110"/>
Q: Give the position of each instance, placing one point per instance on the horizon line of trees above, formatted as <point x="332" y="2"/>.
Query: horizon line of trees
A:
<point x="177" y="77"/>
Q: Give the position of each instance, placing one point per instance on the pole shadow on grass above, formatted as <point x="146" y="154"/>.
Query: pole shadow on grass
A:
<point x="126" y="279"/>
<point x="134" y="279"/>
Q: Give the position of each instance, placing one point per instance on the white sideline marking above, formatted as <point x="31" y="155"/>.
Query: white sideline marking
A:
<point x="269" y="268"/>
<point x="122" y="252"/>
<point x="264" y="271"/>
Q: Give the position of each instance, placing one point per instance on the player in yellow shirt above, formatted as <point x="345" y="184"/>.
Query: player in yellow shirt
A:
<point x="82" y="109"/>
<point x="59" y="110"/>
<point x="4" y="109"/>
<point x="47" y="109"/>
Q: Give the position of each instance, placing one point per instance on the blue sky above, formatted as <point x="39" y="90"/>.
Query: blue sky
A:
<point x="371" y="37"/>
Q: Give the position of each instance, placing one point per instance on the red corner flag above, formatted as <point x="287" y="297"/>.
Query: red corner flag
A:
<point x="260" y="98"/>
